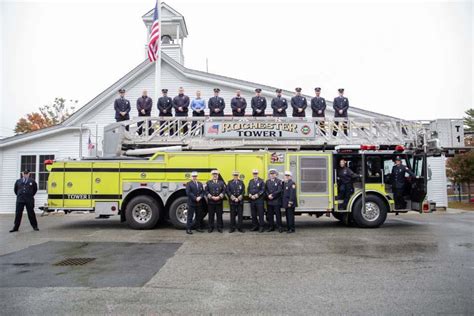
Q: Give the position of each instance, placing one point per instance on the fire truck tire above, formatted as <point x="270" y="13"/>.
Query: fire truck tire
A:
<point x="374" y="215"/>
<point x="142" y="212"/>
<point x="178" y="212"/>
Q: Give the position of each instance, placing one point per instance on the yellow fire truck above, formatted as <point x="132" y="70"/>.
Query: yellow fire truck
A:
<point x="142" y="178"/>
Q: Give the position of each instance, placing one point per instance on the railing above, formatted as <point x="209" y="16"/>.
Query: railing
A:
<point x="229" y="132"/>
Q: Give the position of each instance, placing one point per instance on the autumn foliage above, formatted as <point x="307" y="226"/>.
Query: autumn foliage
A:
<point x="48" y="115"/>
<point x="460" y="169"/>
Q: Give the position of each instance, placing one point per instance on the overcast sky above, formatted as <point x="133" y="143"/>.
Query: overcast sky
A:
<point x="409" y="59"/>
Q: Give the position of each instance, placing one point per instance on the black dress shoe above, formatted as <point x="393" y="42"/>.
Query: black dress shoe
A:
<point x="240" y="230"/>
<point x="254" y="229"/>
<point x="271" y="229"/>
<point x="210" y="230"/>
<point x="219" y="230"/>
<point x="189" y="232"/>
<point x="36" y="229"/>
<point x="261" y="230"/>
<point x="280" y="230"/>
<point x="199" y="230"/>
<point x="231" y="230"/>
<point x="13" y="230"/>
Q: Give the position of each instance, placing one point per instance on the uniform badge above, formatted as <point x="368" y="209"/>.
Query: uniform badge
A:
<point x="258" y="184"/>
<point x="31" y="183"/>
<point x="293" y="186"/>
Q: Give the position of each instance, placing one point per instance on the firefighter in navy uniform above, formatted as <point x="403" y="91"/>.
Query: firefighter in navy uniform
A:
<point x="279" y="105"/>
<point x="258" y="103"/>
<point x="399" y="182"/>
<point x="238" y="105"/>
<point x="345" y="179"/>
<point x="122" y="108"/>
<point x="216" y="104"/>
<point x="289" y="201"/>
<point x="215" y="192"/>
<point x="341" y="105"/>
<point x="235" y="192"/>
<point x="195" y="194"/>
<point x="318" y="105"/>
<point x="181" y="106"/>
<point x="299" y="104"/>
<point x="144" y="106"/>
<point x="273" y="190"/>
<point x="25" y="190"/>
<point x="256" y="191"/>
<point x="165" y="108"/>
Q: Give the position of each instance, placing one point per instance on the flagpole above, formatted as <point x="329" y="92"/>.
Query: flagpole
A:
<point x="158" y="60"/>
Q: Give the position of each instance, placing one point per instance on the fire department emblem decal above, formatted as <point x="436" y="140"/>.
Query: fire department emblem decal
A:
<point x="305" y="130"/>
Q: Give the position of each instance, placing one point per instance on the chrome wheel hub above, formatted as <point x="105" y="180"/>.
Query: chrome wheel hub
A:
<point x="142" y="213"/>
<point x="371" y="212"/>
<point x="182" y="213"/>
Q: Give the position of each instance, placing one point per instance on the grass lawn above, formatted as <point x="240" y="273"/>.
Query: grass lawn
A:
<point x="461" y="205"/>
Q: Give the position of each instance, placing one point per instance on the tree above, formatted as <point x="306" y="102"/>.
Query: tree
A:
<point x="49" y="115"/>
<point x="469" y="120"/>
<point x="460" y="170"/>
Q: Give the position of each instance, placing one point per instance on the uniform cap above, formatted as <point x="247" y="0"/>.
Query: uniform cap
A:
<point x="164" y="90"/>
<point x="272" y="171"/>
<point x="398" y="158"/>
<point x="122" y="90"/>
<point x="235" y="173"/>
<point x="194" y="174"/>
<point x="340" y="90"/>
<point x="278" y="90"/>
<point x="288" y="173"/>
<point x="258" y="90"/>
<point x="215" y="171"/>
<point x="254" y="171"/>
<point x="26" y="171"/>
<point x="298" y="89"/>
<point x="217" y="90"/>
<point x="317" y="89"/>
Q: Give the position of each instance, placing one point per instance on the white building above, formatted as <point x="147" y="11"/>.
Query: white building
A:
<point x="62" y="141"/>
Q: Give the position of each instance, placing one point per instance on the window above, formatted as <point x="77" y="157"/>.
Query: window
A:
<point x="38" y="172"/>
<point x="313" y="174"/>
<point x="373" y="169"/>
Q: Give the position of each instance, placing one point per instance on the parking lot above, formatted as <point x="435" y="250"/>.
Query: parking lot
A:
<point x="413" y="264"/>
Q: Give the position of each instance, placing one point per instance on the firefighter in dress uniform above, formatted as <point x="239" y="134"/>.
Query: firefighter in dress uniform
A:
<point x="299" y="104"/>
<point x="181" y="107"/>
<point x="198" y="105"/>
<point x="238" y="104"/>
<point x="144" y="106"/>
<point x="289" y="201"/>
<point x="216" y="104"/>
<point x="165" y="108"/>
<point x="273" y="190"/>
<point x="279" y="104"/>
<point x="341" y="105"/>
<point x="258" y="103"/>
<point x="195" y="194"/>
<point x="256" y="191"/>
<point x="399" y="182"/>
<point x="122" y="108"/>
<point x="318" y="105"/>
<point x="215" y="192"/>
<point x="345" y="179"/>
<point x="235" y="192"/>
<point x="25" y="189"/>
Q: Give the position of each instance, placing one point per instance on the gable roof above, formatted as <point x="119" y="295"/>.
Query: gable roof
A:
<point x="143" y="67"/>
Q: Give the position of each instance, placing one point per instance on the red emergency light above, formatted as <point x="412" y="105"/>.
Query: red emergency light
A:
<point x="399" y="148"/>
<point x="368" y="147"/>
<point x="48" y="162"/>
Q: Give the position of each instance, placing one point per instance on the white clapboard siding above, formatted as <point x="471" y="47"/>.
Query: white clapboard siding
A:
<point x="437" y="183"/>
<point x="64" y="145"/>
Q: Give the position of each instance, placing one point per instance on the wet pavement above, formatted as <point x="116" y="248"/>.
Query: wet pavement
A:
<point x="413" y="264"/>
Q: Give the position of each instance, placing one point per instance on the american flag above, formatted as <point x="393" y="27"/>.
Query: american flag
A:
<point x="213" y="129"/>
<point x="90" y="145"/>
<point x="154" y="37"/>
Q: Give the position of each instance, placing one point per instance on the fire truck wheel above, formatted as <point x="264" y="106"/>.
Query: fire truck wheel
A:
<point x="375" y="212"/>
<point x="179" y="212"/>
<point x="142" y="212"/>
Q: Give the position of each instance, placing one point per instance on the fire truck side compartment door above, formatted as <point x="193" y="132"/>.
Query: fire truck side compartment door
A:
<point x="77" y="184"/>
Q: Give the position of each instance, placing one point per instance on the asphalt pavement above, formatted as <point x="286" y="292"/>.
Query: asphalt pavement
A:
<point x="413" y="264"/>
